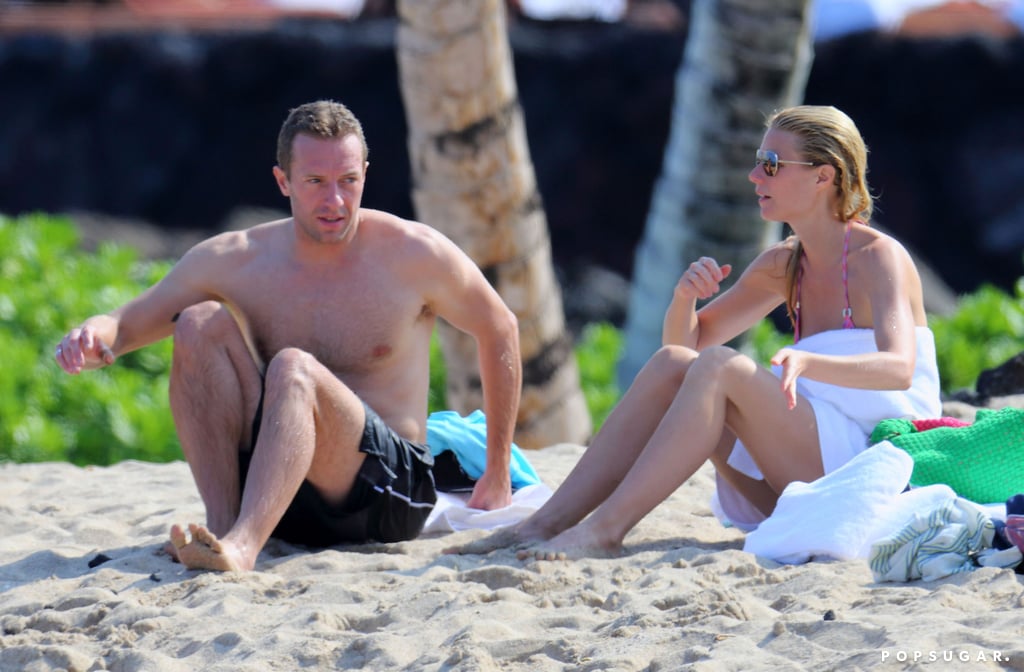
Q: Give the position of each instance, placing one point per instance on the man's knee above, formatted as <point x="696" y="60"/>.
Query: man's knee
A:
<point x="298" y="376"/>
<point x="291" y="368"/>
<point x="202" y="323"/>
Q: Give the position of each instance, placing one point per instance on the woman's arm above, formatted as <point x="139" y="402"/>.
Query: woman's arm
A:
<point x="756" y="293"/>
<point x="894" y="291"/>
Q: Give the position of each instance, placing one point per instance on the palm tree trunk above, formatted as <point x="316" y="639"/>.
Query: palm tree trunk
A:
<point x="743" y="59"/>
<point x="474" y="181"/>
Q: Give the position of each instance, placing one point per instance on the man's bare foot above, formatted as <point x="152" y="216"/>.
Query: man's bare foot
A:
<point x="573" y="544"/>
<point x="204" y="550"/>
<point x="170" y="549"/>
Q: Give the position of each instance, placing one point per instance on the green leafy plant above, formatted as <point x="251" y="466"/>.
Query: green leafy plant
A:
<point x="436" y="395"/>
<point x="764" y="340"/>
<point x="596" y="356"/>
<point x="986" y="330"/>
<point x="47" y="284"/>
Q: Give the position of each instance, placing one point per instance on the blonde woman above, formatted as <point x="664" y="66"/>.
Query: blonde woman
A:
<point x="862" y="353"/>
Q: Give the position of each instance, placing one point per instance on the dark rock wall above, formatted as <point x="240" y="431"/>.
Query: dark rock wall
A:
<point x="179" y="128"/>
<point x="944" y="123"/>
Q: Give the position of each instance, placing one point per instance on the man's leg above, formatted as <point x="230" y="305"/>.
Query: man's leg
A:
<point x="214" y="392"/>
<point x="312" y="428"/>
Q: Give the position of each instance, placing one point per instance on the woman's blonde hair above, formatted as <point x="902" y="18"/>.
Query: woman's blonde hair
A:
<point x="826" y="135"/>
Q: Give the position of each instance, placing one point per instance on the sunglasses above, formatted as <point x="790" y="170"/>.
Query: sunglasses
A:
<point x="770" y="162"/>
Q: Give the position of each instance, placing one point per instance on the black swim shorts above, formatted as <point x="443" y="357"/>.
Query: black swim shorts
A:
<point x="390" y="500"/>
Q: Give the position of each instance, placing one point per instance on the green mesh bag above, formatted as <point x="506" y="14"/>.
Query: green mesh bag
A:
<point x="982" y="462"/>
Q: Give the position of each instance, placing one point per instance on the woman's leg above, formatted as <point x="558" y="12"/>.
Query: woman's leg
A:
<point x="609" y="457"/>
<point x="723" y="391"/>
<point x="756" y="491"/>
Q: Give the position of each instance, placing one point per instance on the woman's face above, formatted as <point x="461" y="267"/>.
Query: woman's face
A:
<point x="782" y="196"/>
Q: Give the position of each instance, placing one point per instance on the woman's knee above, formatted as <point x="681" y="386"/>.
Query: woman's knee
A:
<point x="718" y="362"/>
<point x="670" y="362"/>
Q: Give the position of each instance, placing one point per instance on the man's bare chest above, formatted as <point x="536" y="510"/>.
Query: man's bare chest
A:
<point x="348" y="326"/>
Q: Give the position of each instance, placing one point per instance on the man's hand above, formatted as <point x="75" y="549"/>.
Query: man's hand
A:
<point x="491" y="492"/>
<point x="81" y="350"/>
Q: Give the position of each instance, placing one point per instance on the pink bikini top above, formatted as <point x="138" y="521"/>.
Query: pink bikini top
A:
<point x="847" y="312"/>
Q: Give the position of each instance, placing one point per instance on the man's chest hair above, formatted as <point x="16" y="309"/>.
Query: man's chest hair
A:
<point x="343" y="334"/>
<point x="350" y="315"/>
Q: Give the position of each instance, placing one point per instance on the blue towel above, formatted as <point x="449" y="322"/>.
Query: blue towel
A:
<point x="467" y="438"/>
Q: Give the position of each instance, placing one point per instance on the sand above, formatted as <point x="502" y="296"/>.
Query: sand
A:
<point x="84" y="586"/>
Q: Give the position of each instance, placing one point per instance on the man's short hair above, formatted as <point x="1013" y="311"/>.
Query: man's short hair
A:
<point x="321" y="119"/>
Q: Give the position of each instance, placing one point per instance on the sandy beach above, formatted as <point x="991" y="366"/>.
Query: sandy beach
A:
<point x="84" y="586"/>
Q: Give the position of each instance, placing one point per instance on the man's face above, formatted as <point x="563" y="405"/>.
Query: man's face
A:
<point x="325" y="186"/>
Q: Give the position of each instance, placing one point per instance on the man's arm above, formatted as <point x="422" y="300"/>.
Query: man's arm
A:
<point x="501" y="378"/>
<point x="465" y="299"/>
<point x="149" y="317"/>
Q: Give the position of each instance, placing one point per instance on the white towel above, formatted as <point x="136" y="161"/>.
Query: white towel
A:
<point x="451" y="514"/>
<point x="845" y="415"/>
<point x="841" y="514"/>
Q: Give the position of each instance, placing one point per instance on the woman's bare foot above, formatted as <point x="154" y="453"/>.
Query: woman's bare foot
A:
<point x="515" y="536"/>
<point x="576" y="542"/>
<point x="205" y="550"/>
<point x="504" y="538"/>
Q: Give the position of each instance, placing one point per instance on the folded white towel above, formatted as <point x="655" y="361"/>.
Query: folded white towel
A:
<point x="841" y="514"/>
<point x="451" y="514"/>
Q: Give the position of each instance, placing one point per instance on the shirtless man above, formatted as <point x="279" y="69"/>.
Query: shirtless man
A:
<point x="301" y="354"/>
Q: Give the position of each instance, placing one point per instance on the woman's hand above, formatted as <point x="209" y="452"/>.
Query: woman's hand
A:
<point x="793" y="363"/>
<point x="702" y="279"/>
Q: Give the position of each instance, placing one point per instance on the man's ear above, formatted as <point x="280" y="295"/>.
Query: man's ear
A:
<point x="282" y="180"/>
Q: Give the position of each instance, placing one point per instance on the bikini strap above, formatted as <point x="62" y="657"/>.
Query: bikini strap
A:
<point x="848" y="311"/>
<point x="796" y="305"/>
